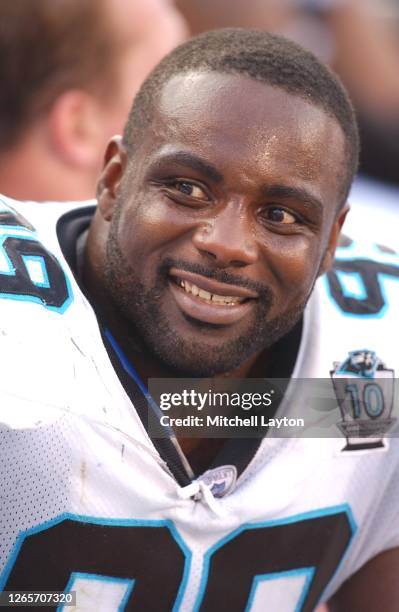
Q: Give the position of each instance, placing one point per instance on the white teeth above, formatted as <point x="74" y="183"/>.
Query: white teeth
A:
<point x="209" y="298"/>
<point x="219" y="299"/>
<point x="205" y="295"/>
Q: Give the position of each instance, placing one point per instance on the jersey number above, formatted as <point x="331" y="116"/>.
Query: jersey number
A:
<point x="33" y="273"/>
<point x="153" y="561"/>
<point x="371" y="300"/>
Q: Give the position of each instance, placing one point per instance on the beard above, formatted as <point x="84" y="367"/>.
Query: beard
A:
<point x="149" y="327"/>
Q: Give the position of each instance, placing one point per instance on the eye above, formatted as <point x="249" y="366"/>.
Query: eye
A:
<point x="276" y="214"/>
<point x="190" y="189"/>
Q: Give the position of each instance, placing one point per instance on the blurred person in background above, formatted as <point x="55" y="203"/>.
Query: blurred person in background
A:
<point x="69" y="70"/>
<point x="359" y="38"/>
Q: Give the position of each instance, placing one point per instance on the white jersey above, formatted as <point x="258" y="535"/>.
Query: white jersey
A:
<point x="89" y="504"/>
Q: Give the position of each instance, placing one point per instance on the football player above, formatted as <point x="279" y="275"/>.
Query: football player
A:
<point x="210" y="254"/>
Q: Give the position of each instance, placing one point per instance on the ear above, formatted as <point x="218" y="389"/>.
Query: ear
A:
<point x="328" y="257"/>
<point x="108" y="186"/>
<point x="74" y="124"/>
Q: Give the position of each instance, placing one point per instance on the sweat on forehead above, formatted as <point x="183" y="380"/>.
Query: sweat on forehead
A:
<point x="262" y="56"/>
<point x="219" y="116"/>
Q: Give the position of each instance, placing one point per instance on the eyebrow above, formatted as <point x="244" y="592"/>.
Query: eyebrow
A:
<point x="189" y="160"/>
<point x="293" y="193"/>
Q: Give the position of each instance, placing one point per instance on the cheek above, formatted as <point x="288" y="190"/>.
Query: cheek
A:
<point x="149" y="226"/>
<point x="294" y="262"/>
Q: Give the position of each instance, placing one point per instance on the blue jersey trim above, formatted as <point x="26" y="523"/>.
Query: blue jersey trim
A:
<point x="131" y="371"/>
<point x="21" y="297"/>
<point x="40" y="260"/>
<point x="111" y="522"/>
<point x="273" y="523"/>
<point x="76" y="575"/>
<point x="308" y="571"/>
<point x="379" y="315"/>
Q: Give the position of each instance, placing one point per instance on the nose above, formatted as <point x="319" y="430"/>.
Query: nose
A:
<point x="227" y="238"/>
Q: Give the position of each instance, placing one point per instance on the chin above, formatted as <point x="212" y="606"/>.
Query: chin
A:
<point x="186" y="357"/>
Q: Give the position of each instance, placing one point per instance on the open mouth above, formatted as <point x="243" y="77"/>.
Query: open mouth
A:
<point x="206" y="296"/>
<point x="209" y="301"/>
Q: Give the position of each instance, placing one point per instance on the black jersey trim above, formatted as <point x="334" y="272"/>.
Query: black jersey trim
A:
<point x="69" y="227"/>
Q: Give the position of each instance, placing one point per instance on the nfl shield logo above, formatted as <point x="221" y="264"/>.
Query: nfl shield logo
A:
<point x="364" y="388"/>
<point x="220" y="480"/>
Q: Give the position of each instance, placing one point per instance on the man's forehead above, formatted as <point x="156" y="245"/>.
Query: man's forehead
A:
<point x="236" y="114"/>
<point x="199" y="91"/>
<point x="240" y="106"/>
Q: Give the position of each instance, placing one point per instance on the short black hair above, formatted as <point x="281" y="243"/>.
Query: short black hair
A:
<point x="262" y="56"/>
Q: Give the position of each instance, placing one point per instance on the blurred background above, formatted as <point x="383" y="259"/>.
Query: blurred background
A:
<point x="70" y="68"/>
<point x="359" y="39"/>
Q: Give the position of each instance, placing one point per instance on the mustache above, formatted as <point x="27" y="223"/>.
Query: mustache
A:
<point x="263" y="290"/>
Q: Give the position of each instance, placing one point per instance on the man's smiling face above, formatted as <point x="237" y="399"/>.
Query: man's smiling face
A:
<point x="226" y="214"/>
